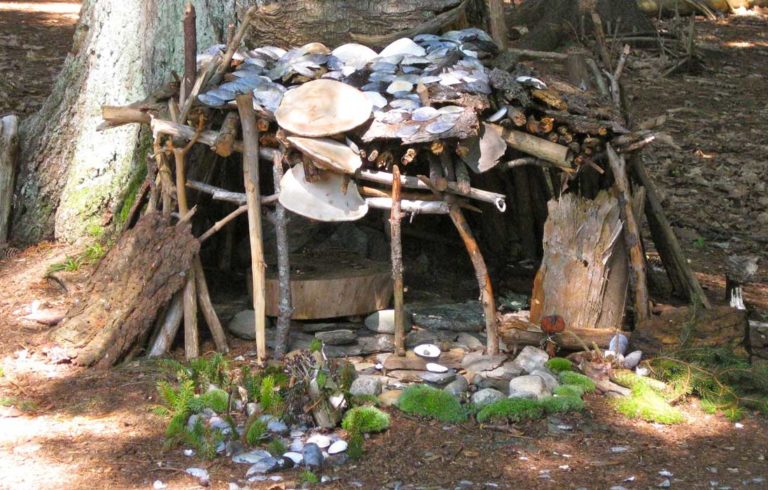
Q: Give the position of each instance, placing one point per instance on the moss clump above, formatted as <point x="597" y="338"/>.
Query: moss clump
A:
<point x="365" y="419"/>
<point x="562" y="404"/>
<point x="433" y="403"/>
<point x="576" y="379"/>
<point x="256" y="432"/>
<point x="215" y="399"/>
<point x="559" y="364"/>
<point x="511" y="409"/>
<point x="365" y="400"/>
<point x="648" y="405"/>
<point x="574" y="391"/>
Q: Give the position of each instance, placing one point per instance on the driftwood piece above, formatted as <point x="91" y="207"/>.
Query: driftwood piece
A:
<point x="224" y="145"/>
<point x="631" y="236"/>
<point x="408" y="205"/>
<point x="285" y="306"/>
<point x="251" y="179"/>
<point x="574" y="281"/>
<point x="497" y="22"/>
<point x="514" y="330"/>
<point x="222" y="223"/>
<point x="436" y="175"/>
<point x="396" y="250"/>
<point x="206" y="307"/>
<point x="680" y="274"/>
<point x="483" y="279"/>
<point x="119" y="304"/>
<point x="554" y="153"/>
<point x="169" y="326"/>
<point x="191" y="334"/>
<point x="190" y="52"/>
<point x="9" y="149"/>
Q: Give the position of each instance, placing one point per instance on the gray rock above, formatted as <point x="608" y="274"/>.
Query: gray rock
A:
<point x="487" y="396"/>
<point x="550" y="381"/>
<point x="339" y="459"/>
<point x="337" y="337"/>
<point x="366" y="385"/>
<point x="266" y="465"/>
<point x="352" y="350"/>
<point x="457" y="387"/>
<point x="469" y="341"/>
<point x="313" y="456"/>
<point x="632" y="359"/>
<point x="376" y="343"/>
<point x="505" y="372"/>
<point x="251" y="457"/>
<point x="480" y="380"/>
<point x="528" y="387"/>
<point x="456" y="317"/>
<point x="324" y="327"/>
<point x="274" y="425"/>
<point x="384" y="322"/>
<point x="243" y="325"/>
<point x="478" y="362"/>
<point x="531" y="359"/>
<point x="347" y="237"/>
<point x="440" y="379"/>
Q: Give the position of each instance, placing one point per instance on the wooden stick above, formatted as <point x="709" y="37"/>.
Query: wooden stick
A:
<point x="190" y="52"/>
<point x="598" y="76"/>
<point x="538" y="55"/>
<point x="219" y="194"/>
<point x="496" y="21"/>
<point x="409" y="206"/>
<point x="462" y="176"/>
<point x="191" y="340"/>
<point x="233" y="45"/>
<point x="597" y="22"/>
<point x="9" y="150"/>
<point x="224" y="145"/>
<point x="206" y="306"/>
<point x="436" y="176"/>
<point x="222" y="223"/>
<point x="515" y="331"/>
<point x="252" y="192"/>
<point x="554" y="153"/>
<point x="680" y="274"/>
<point x="483" y="279"/>
<point x="631" y="236"/>
<point x="182" y="131"/>
<point x="404" y="195"/>
<point x="201" y="81"/>
<point x="169" y="327"/>
<point x="396" y="250"/>
<point x="448" y="168"/>
<point x="284" y="303"/>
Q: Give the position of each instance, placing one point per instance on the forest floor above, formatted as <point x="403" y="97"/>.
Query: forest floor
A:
<point x="62" y="427"/>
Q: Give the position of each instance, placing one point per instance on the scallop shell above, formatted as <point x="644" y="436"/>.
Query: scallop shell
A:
<point x="430" y="351"/>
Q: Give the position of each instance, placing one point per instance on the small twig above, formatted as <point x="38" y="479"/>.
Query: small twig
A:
<point x="222" y="222"/>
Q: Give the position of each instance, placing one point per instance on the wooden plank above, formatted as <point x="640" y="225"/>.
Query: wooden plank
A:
<point x="9" y="149"/>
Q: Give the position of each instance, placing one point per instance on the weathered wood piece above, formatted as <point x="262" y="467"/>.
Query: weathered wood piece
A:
<point x="581" y="239"/>
<point x="497" y="23"/>
<point x="466" y="126"/>
<point x="483" y="279"/>
<point x="514" y="330"/>
<point x="190" y="52"/>
<point x="554" y="153"/>
<point x="169" y="326"/>
<point x="251" y="179"/>
<point x="408" y="205"/>
<point x="9" y="149"/>
<point x="206" y="307"/>
<point x="224" y="145"/>
<point x="396" y="250"/>
<point x="191" y="334"/>
<point x="680" y="274"/>
<point x="285" y="305"/>
<point x="138" y="276"/>
<point x="631" y="236"/>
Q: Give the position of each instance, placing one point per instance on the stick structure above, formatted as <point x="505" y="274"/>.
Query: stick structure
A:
<point x="284" y="304"/>
<point x="396" y="248"/>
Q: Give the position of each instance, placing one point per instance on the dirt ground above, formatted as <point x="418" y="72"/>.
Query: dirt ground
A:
<point x="62" y="427"/>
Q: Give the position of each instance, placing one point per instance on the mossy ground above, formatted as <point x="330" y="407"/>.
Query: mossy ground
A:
<point x="429" y="402"/>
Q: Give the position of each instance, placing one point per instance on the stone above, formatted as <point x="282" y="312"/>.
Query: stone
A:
<point x="296" y="457"/>
<point x="632" y="359"/>
<point x="758" y="339"/>
<point x="383" y="321"/>
<point x="274" y="425"/>
<point x="338" y="459"/>
<point x="251" y="457"/>
<point x="201" y="474"/>
<point x="266" y="465"/>
<point x="374" y="344"/>
<point x="530" y="359"/>
<point x="337" y="337"/>
<point x="320" y="440"/>
<point x="439" y="379"/>
<point x="338" y="447"/>
<point x="324" y="327"/>
<point x="243" y="325"/>
<point x="481" y="380"/>
<point x="313" y="456"/>
<point x="366" y="386"/>
<point x="487" y="396"/>
<point x="252" y="408"/>
<point x="405" y="376"/>
<point x="457" y="387"/>
<point x="528" y="387"/>
<point x="336" y="351"/>
<point x="550" y="381"/>
<point x="477" y="361"/>
<point x="456" y="317"/>
<point x="390" y="397"/>
<point x="469" y="341"/>
<point x="505" y="372"/>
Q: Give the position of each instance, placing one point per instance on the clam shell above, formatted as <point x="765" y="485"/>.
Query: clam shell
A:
<point x="355" y="55"/>
<point x="211" y="100"/>
<point x="407" y="131"/>
<point x="436" y="368"/>
<point x="404" y="47"/>
<point x="399" y="86"/>
<point x="430" y="351"/>
<point x="328" y="153"/>
<point x="323" y="200"/>
<point x="377" y="100"/>
<point x="409" y="104"/>
<point x="337" y="447"/>
<point x="424" y="114"/>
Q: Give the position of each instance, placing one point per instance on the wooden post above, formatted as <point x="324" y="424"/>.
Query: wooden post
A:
<point x="483" y="279"/>
<point x="191" y="337"/>
<point x="497" y="24"/>
<point x="284" y="304"/>
<point x="9" y="149"/>
<point x="631" y="235"/>
<point x="252" y="193"/>
<point x="396" y="248"/>
<point x="170" y="325"/>
<point x="206" y="307"/>
<point x="190" y="52"/>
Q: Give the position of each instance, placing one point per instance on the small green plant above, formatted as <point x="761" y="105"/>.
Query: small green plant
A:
<point x="576" y="379"/>
<point x="559" y="364"/>
<point x="94" y="252"/>
<point x="562" y="404"/>
<point x="307" y="476"/>
<point x="256" y="432"/>
<point x="276" y="448"/>
<point x="511" y="409"/>
<point x="646" y="404"/>
<point x="568" y="390"/>
<point x="70" y="264"/>
<point x="216" y="399"/>
<point x="269" y="398"/>
<point x="365" y="400"/>
<point x="316" y="345"/>
<point x="699" y="243"/>
<point x="203" y="439"/>
<point x="433" y="403"/>
<point x="365" y="419"/>
<point x="355" y="447"/>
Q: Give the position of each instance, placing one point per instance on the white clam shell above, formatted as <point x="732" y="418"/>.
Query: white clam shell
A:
<point x="430" y="351"/>
<point x="338" y="447"/>
<point x="436" y="368"/>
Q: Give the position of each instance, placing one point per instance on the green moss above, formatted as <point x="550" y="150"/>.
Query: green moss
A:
<point x="646" y="404"/>
<point x="365" y="400"/>
<point x="269" y="398"/>
<point x="308" y="477"/>
<point x="576" y="379"/>
<point x="511" y="409"/>
<point x="365" y="419"/>
<point x="433" y="403"/>
<point x="562" y="404"/>
<point x="256" y="432"/>
<point x="215" y="399"/>
<point x="276" y="448"/>
<point x="94" y="230"/>
<point x="559" y="364"/>
<point x="574" y="391"/>
<point x="130" y="194"/>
